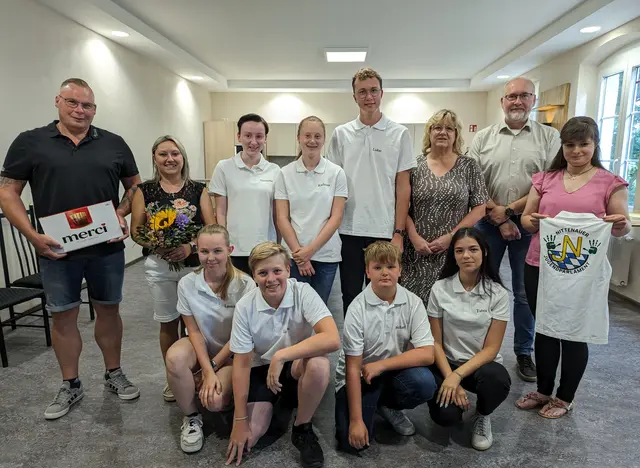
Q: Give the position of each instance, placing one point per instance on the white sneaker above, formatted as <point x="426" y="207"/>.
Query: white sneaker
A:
<point x="481" y="436"/>
<point x="167" y="394"/>
<point x="191" y="438"/>
<point x="401" y="424"/>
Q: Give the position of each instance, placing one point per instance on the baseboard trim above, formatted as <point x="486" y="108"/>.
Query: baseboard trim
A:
<point x="134" y="261"/>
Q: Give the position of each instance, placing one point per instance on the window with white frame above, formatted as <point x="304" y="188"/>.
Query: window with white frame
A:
<point x="609" y="118"/>
<point x="619" y="121"/>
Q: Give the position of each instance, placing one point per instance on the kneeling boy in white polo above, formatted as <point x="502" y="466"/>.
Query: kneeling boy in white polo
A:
<point x="277" y="354"/>
<point x="387" y="346"/>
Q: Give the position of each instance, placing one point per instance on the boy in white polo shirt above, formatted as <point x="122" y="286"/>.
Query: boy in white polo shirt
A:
<point x="376" y="155"/>
<point x="243" y="188"/>
<point x="387" y="346"/>
<point x="282" y="333"/>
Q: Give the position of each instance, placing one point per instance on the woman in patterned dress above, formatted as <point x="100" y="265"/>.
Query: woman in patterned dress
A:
<point x="447" y="193"/>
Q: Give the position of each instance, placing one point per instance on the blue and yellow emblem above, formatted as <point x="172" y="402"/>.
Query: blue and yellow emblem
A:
<point x="570" y="256"/>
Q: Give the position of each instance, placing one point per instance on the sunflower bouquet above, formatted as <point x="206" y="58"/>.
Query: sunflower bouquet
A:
<point x="168" y="227"/>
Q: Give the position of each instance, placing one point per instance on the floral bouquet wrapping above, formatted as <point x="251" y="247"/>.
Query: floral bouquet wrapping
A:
<point x="168" y="227"/>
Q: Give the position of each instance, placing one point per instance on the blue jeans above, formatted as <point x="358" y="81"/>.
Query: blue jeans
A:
<point x="523" y="321"/>
<point x="62" y="280"/>
<point x="401" y="389"/>
<point x="321" y="281"/>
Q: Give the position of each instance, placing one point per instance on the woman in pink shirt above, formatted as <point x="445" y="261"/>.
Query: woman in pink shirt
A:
<point x="576" y="182"/>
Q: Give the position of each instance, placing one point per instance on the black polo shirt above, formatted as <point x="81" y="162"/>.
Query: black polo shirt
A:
<point x="63" y="176"/>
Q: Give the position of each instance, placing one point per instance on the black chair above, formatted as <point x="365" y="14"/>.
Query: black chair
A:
<point x="27" y="258"/>
<point x="13" y="296"/>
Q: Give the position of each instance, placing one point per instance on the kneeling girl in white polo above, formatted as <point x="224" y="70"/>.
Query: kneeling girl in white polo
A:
<point x="468" y="310"/>
<point x="278" y="355"/>
<point x="387" y="346"/>
<point x="206" y="300"/>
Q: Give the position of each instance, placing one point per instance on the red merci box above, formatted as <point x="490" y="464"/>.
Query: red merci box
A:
<point x="78" y="218"/>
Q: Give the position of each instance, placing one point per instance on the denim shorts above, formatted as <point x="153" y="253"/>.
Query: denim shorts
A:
<point x="62" y="280"/>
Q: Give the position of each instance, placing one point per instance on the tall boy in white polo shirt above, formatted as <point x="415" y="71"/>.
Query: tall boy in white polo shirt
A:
<point x="376" y="155"/>
<point x="243" y="188"/>
<point x="387" y="346"/>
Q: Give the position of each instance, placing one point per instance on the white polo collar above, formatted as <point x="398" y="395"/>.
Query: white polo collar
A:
<point x="202" y="286"/>
<point x="374" y="300"/>
<point x="287" y="300"/>
<point x="504" y="126"/>
<point x="319" y="169"/>
<point x="241" y="165"/>
<point x="458" y="288"/>
<point x="379" y="125"/>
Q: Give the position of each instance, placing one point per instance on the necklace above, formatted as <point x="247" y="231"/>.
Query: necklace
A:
<point x="573" y="177"/>
<point x="173" y="194"/>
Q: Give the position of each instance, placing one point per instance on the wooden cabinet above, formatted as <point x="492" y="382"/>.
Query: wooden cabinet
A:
<point x="219" y="141"/>
<point x="281" y="140"/>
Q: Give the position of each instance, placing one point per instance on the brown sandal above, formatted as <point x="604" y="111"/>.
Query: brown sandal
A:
<point x="532" y="400"/>
<point x="556" y="404"/>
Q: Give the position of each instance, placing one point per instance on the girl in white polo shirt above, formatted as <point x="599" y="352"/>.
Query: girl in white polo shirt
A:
<point x="468" y="310"/>
<point x="243" y="190"/>
<point x="310" y="195"/>
<point x="277" y="354"/>
<point x="206" y="300"/>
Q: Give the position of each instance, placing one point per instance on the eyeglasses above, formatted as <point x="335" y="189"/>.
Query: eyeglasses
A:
<point x="522" y="96"/>
<point x="440" y="128"/>
<point x="72" y="103"/>
<point x="362" y="93"/>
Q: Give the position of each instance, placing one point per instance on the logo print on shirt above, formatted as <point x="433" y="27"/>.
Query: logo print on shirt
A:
<point x="376" y="150"/>
<point x="324" y="185"/>
<point x="573" y="257"/>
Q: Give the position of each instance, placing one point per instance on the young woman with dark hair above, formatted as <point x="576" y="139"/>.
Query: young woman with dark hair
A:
<point x="576" y="182"/>
<point x="468" y="312"/>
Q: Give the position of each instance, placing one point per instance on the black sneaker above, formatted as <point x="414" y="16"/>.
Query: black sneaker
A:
<point x="305" y="440"/>
<point x="526" y="368"/>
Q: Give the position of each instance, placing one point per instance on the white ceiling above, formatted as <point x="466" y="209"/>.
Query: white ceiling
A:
<point x="414" y="44"/>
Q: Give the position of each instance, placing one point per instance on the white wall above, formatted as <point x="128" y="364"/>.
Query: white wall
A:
<point x="621" y="61"/>
<point x="406" y="108"/>
<point x="136" y="98"/>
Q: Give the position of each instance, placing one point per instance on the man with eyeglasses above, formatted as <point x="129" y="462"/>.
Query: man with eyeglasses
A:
<point x="377" y="157"/>
<point x="71" y="164"/>
<point x="509" y="153"/>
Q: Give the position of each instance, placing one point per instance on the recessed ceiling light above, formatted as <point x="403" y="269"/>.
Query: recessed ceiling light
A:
<point x="119" y="34"/>
<point x="196" y="78"/>
<point x="346" y="55"/>
<point x="590" y="29"/>
<point x="502" y="77"/>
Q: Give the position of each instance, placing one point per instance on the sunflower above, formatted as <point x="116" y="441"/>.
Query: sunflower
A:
<point x="163" y="219"/>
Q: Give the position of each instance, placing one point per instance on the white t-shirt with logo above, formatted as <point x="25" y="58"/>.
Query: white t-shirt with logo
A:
<point x="213" y="316"/>
<point x="260" y="328"/>
<point x="249" y="193"/>
<point x="377" y="330"/>
<point x="467" y="315"/>
<point x="310" y="195"/>
<point x="573" y="285"/>
<point x="371" y="157"/>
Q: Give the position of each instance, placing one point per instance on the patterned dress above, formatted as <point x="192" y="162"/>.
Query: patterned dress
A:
<point x="438" y="204"/>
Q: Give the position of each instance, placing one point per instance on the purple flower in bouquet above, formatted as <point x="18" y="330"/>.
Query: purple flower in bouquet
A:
<point x="182" y="220"/>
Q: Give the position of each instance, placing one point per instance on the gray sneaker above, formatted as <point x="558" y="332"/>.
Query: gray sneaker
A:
<point x="118" y="383"/>
<point x="401" y="424"/>
<point x="63" y="401"/>
<point x="481" y="436"/>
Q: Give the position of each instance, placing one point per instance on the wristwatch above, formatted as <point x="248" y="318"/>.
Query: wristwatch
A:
<point x="402" y="232"/>
<point x="194" y="247"/>
<point x="509" y="211"/>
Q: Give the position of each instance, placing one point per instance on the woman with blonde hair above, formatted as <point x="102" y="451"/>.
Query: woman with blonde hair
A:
<point x="170" y="189"/>
<point x="310" y="194"/>
<point x="206" y="300"/>
<point x="447" y="193"/>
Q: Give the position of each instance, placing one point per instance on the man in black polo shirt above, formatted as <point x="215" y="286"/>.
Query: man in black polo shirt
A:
<point x="70" y="164"/>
